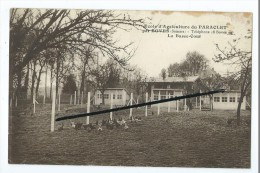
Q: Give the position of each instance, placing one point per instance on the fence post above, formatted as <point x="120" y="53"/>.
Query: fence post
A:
<point x="16" y="101"/>
<point x="53" y="111"/>
<point x="177" y="105"/>
<point x="146" y="100"/>
<point x="59" y="103"/>
<point x="169" y="103"/>
<point x="70" y="99"/>
<point x="34" y="102"/>
<point x="111" y="106"/>
<point x="78" y="96"/>
<point x="75" y="97"/>
<point x="81" y="101"/>
<point x="44" y="99"/>
<point x="11" y="102"/>
<point x="88" y="107"/>
<point x="200" y="101"/>
<point x="196" y="102"/>
<point x="131" y="102"/>
<point x="158" y="106"/>
<point x="185" y="106"/>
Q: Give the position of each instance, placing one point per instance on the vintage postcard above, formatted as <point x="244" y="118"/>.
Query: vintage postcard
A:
<point x="68" y="68"/>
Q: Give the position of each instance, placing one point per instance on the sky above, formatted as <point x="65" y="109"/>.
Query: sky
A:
<point x="156" y="50"/>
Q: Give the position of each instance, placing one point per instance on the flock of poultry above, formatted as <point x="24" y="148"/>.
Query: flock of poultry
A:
<point x="99" y="125"/>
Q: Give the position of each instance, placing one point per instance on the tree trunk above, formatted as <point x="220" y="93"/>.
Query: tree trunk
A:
<point x="45" y="85"/>
<point x="238" y="111"/>
<point x="38" y="81"/>
<point x="33" y="79"/>
<point x="51" y="81"/>
<point x="26" y="81"/>
<point x="57" y="74"/>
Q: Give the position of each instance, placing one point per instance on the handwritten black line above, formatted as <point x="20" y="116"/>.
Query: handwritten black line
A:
<point x="138" y="105"/>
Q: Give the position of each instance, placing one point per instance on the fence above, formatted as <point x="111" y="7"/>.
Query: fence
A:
<point x="21" y="102"/>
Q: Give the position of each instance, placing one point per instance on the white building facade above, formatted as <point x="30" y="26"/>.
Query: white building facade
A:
<point x="120" y="96"/>
<point x="228" y="100"/>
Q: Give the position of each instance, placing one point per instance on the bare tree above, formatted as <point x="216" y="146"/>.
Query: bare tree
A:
<point x="33" y="31"/>
<point x="242" y="60"/>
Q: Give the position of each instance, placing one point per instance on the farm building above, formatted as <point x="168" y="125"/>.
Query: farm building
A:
<point x="120" y="96"/>
<point x="228" y="100"/>
<point x="171" y="87"/>
<point x="177" y="86"/>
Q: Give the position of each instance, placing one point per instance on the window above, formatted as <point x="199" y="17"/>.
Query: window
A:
<point x="163" y="97"/>
<point x="114" y="96"/>
<point x="232" y="99"/>
<point x="119" y="96"/>
<point x="106" y="96"/>
<point x="216" y="99"/>
<point x="168" y="86"/>
<point x="224" y="99"/>
<point x="155" y="97"/>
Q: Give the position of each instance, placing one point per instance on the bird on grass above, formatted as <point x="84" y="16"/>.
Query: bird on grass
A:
<point x="76" y="126"/>
<point x="121" y="121"/>
<point x="99" y="127"/>
<point x="229" y="121"/>
<point x="60" y="127"/>
<point x="116" y="123"/>
<point x="89" y="127"/>
<point x="110" y="125"/>
<point x="126" y="127"/>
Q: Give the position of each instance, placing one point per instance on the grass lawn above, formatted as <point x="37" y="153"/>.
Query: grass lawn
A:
<point x="184" y="139"/>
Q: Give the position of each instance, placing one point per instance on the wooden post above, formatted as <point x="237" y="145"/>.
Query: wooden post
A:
<point x="211" y="102"/>
<point x="81" y="101"/>
<point x="11" y="102"/>
<point x="75" y="97"/>
<point x="70" y="99"/>
<point x="200" y="101"/>
<point x="78" y="97"/>
<point x="131" y="102"/>
<point x="53" y="111"/>
<point x="111" y="106"/>
<point x="88" y="107"/>
<point x="59" y="103"/>
<point x="169" y="103"/>
<point x="185" y="106"/>
<point x="34" y="102"/>
<point x="16" y="101"/>
<point x="44" y="99"/>
<point x="196" y="102"/>
<point x="146" y="100"/>
<point x="158" y="105"/>
<point x="177" y="105"/>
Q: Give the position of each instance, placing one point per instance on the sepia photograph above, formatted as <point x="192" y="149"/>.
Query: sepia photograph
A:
<point x="69" y="67"/>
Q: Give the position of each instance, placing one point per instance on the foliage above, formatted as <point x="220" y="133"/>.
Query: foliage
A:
<point x="69" y="86"/>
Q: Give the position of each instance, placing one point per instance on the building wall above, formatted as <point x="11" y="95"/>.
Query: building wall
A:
<point x="228" y="101"/>
<point x="120" y="97"/>
<point x="164" y="94"/>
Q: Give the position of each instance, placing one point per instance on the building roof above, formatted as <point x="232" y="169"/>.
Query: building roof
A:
<point x="175" y="79"/>
<point x="209" y="72"/>
<point x="113" y="89"/>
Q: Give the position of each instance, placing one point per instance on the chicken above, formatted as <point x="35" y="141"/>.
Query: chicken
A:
<point x="76" y="126"/>
<point x="89" y="127"/>
<point x="116" y="123"/>
<point x="110" y="125"/>
<point x="126" y="127"/>
<point x="60" y="127"/>
<point x="121" y="121"/>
